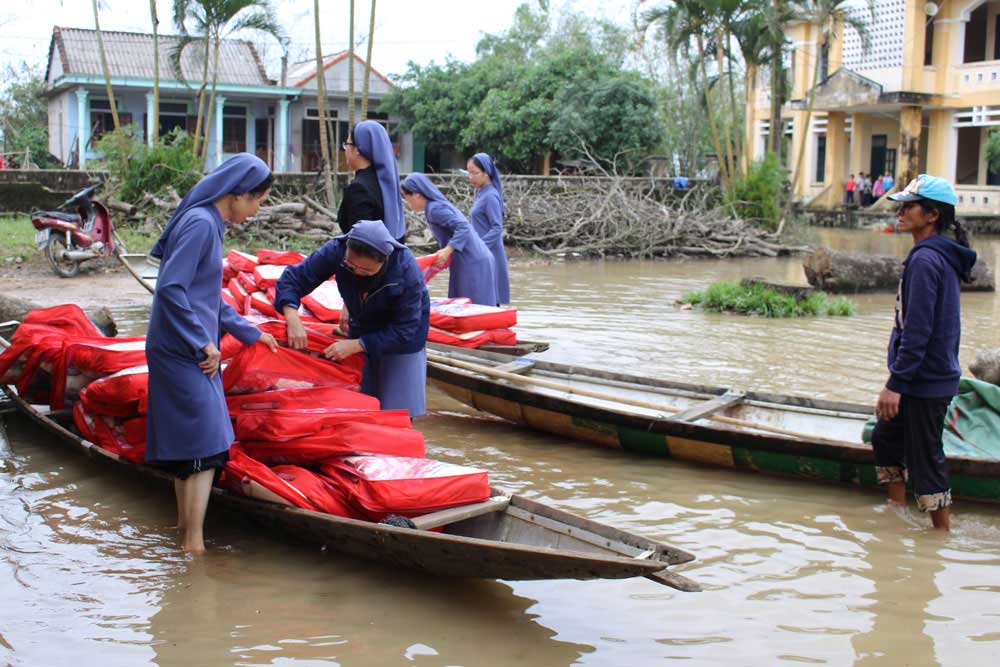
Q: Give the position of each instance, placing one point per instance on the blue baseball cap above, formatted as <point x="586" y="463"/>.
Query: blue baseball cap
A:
<point x="927" y="187"/>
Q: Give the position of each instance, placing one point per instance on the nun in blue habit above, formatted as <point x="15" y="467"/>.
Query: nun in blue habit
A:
<point x="188" y="429"/>
<point x="388" y="305"/>
<point x="374" y="192"/>
<point x="471" y="272"/>
<point x="486" y="216"/>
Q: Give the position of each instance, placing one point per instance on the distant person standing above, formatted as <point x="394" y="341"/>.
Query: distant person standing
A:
<point x="866" y="190"/>
<point x="486" y="216"/>
<point x="849" y="191"/>
<point x="471" y="272"/>
<point x="374" y="192"/>
<point x="888" y="182"/>
<point x="923" y="350"/>
<point x="878" y="189"/>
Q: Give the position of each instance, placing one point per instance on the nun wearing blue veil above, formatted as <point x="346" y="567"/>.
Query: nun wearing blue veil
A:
<point x="471" y="270"/>
<point x="486" y="216"/>
<point x="188" y="430"/>
<point x="374" y="192"/>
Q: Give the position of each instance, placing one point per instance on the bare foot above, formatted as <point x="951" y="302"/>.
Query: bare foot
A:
<point x="194" y="549"/>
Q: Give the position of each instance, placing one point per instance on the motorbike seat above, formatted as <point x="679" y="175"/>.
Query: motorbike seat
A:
<point x="59" y="215"/>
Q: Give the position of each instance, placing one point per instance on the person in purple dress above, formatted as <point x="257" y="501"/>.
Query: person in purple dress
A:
<point x="486" y="216"/>
<point x="188" y="430"/>
<point x="471" y="270"/>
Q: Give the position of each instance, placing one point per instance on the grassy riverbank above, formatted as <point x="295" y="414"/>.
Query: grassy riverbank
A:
<point x="756" y="299"/>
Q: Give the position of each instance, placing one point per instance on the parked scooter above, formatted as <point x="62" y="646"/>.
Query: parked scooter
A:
<point x="69" y="239"/>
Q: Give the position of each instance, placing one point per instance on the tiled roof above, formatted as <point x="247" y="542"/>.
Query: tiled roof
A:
<point x="301" y="73"/>
<point x="130" y="54"/>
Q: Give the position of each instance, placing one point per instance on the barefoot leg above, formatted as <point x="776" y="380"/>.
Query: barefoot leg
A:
<point x="196" y="490"/>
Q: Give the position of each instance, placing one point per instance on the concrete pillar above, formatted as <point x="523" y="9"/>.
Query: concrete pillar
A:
<point x="220" y="103"/>
<point x="281" y="137"/>
<point x="251" y="133"/>
<point x="860" y="144"/>
<point x="908" y="155"/>
<point x="799" y="135"/>
<point x="836" y="160"/>
<point x="941" y="143"/>
<point x="150" y="111"/>
<point x="82" y="125"/>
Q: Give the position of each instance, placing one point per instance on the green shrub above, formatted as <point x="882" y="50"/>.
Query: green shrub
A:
<point x="756" y="299"/>
<point x="150" y="169"/>
<point x="760" y="195"/>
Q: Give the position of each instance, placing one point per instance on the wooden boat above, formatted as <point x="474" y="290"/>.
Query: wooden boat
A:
<point x="505" y="537"/>
<point x="145" y="269"/>
<point x="789" y="435"/>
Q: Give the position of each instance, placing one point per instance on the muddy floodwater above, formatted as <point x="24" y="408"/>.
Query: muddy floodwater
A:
<point x="794" y="573"/>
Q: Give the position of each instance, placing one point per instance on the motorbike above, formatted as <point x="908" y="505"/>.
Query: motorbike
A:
<point x="69" y="239"/>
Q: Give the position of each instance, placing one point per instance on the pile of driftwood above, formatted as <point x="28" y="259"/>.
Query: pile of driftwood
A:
<point x="605" y="216"/>
<point x="611" y="215"/>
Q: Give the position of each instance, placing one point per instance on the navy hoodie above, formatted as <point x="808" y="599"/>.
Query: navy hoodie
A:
<point x="923" y="348"/>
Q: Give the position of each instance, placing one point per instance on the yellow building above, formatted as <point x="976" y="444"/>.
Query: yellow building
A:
<point x="921" y="99"/>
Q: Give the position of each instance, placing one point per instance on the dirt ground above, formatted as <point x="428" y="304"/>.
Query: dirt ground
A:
<point x="98" y="286"/>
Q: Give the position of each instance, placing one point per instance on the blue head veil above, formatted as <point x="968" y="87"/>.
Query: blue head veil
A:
<point x="372" y="141"/>
<point x="237" y="175"/>
<point x="491" y="171"/>
<point x="375" y="235"/>
<point x="417" y="182"/>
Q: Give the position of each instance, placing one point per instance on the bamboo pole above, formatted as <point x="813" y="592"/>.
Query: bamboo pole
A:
<point x="559" y="386"/>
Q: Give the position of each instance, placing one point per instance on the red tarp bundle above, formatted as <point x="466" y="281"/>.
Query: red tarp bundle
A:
<point x="68" y="318"/>
<point x="472" y="339"/>
<point x="43" y="327"/>
<point x="248" y="281"/>
<point x="228" y="272"/>
<point x="255" y="368"/>
<point x="325" y="301"/>
<point x="228" y="297"/>
<point x="85" y="360"/>
<point x="465" y="317"/>
<point x="301" y="399"/>
<point x="408" y="486"/>
<point x="123" y="394"/>
<point x="260" y="301"/>
<point x="241" y="261"/>
<point x="320" y="491"/>
<point x="266" y="275"/>
<point x="300" y="422"/>
<point x="350" y="437"/>
<point x="84" y="422"/>
<point x="320" y="336"/>
<point x="281" y="258"/>
<point x="240" y="295"/>
<point x="111" y="436"/>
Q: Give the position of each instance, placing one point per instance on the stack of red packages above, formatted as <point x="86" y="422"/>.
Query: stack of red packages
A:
<point x="461" y="323"/>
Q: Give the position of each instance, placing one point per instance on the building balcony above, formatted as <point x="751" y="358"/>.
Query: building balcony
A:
<point x="977" y="77"/>
<point x="981" y="199"/>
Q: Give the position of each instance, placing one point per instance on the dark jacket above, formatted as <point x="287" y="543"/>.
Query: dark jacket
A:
<point x="923" y="348"/>
<point x="362" y="200"/>
<point x="392" y="319"/>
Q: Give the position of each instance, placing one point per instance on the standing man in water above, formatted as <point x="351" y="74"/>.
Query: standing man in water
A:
<point x="923" y="350"/>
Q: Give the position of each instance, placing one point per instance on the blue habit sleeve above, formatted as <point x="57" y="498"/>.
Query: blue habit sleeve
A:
<point x="494" y="216"/>
<point x="232" y="322"/>
<point x="445" y="216"/>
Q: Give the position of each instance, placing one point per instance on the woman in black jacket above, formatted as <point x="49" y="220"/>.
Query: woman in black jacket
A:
<point x="374" y="192"/>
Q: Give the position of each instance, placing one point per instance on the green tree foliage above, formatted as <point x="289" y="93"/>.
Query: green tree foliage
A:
<point x="759" y="194"/>
<point x="512" y="100"/>
<point x="149" y="169"/>
<point x="24" y="117"/>
<point x="993" y="150"/>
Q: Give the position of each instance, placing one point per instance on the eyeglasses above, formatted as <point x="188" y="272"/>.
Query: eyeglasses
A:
<point x="359" y="271"/>
<point x="346" y="144"/>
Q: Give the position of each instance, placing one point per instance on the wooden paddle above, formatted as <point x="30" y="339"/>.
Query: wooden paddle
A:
<point x="558" y="386"/>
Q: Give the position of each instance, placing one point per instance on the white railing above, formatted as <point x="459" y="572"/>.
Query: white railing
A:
<point x="978" y="199"/>
<point x="977" y="77"/>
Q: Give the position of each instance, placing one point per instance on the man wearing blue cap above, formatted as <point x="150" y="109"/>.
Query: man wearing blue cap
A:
<point x="923" y="350"/>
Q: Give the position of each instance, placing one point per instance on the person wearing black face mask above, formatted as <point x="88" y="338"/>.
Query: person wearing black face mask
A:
<point x="386" y="311"/>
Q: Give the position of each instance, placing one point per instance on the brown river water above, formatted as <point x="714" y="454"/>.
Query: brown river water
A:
<point x="794" y="572"/>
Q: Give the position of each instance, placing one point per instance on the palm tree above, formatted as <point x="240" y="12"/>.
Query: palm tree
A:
<point x="368" y="63"/>
<point x="214" y="21"/>
<point x="324" y="141"/>
<point x="156" y="72"/>
<point x="107" y="83"/>
<point x="350" y="71"/>
<point x="827" y="17"/>
<point x="681" y="22"/>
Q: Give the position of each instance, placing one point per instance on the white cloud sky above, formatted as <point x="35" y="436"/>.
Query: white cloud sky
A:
<point x="419" y="30"/>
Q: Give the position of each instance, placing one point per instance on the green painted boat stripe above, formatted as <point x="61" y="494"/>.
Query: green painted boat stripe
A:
<point x="643" y="442"/>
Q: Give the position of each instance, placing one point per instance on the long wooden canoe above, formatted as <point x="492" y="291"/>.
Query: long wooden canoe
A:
<point x="789" y="435"/>
<point x="145" y="269"/>
<point x="507" y="537"/>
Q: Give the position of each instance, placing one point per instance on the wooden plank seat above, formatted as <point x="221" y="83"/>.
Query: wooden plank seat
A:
<point x="460" y="513"/>
<point x="709" y="407"/>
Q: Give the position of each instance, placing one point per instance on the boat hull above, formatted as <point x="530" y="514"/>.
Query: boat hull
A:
<point x="702" y="442"/>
